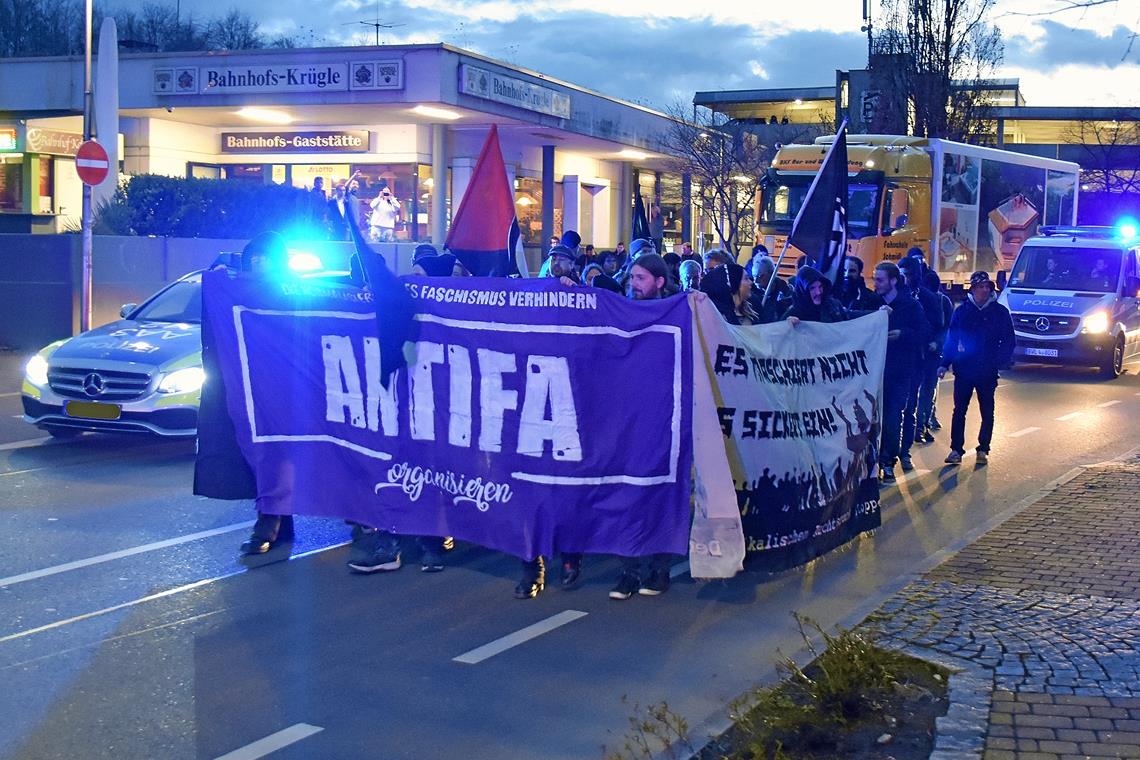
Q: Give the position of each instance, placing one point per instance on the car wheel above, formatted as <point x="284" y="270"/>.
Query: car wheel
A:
<point x="63" y="434"/>
<point x="1114" y="363"/>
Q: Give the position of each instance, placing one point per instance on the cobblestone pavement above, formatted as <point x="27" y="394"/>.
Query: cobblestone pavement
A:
<point x="1040" y="615"/>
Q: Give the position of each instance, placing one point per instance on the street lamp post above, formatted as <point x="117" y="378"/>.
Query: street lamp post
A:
<point x="85" y="267"/>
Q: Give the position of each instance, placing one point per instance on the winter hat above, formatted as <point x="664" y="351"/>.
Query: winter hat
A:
<point x="438" y="266"/>
<point x="560" y="250"/>
<point x="981" y="278"/>
<point x="571" y="239"/>
<point x="641" y="246"/>
<point x="424" y="249"/>
<point x="605" y="282"/>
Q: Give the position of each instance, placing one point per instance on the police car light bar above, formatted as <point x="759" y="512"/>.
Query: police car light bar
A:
<point x="1085" y="231"/>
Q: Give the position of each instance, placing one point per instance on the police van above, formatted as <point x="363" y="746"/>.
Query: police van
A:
<point x="1074" y="294"/>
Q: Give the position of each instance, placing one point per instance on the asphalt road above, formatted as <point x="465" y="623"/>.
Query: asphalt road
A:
<point x="131" y="630"/>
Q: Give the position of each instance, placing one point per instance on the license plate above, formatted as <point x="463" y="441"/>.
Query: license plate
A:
<point x="92" y="410"/>
<point x="1050" y="352"/>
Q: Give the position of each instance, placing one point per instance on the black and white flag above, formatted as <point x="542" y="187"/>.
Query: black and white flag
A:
<point x="820" y="228"/>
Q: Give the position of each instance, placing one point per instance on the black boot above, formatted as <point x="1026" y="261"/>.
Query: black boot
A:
<point x="268" y="531"/>
<point x="533" y="580"/>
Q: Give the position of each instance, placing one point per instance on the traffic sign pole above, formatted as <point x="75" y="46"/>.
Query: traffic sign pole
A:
<point x="85" y="306"/>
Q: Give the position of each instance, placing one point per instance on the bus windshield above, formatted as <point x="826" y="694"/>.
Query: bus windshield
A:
<point x="1092" y="269"/>
<point x="783" y="201"/>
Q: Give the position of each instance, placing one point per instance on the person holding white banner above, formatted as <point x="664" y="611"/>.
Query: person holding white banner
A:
<point x="907" y="331"/>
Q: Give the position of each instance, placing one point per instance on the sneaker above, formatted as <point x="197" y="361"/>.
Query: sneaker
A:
<point x="982" y="458"/>
<point x="927" y="436"/>
<point x="657" y="583"/>
<point x="627" y="586"/>
<point x="431" y="563"/>
<point x="934" y="423"/>
<point x="529" y="588"/>
<point x="907" y="464"/>
<point x="887" y="475"/>
<point x="954" y="457"/>
<point x="377" y="562"/>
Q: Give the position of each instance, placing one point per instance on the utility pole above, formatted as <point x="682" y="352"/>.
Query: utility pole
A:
<point x="85" y="306"/>
<point x="867" y="28"/>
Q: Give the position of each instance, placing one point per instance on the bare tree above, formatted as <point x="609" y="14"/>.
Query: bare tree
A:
<point x="235" y="31"/>
<point x="726" y="162"/>
<point x="1109" y="154"/>
<point x="930" y="60"/>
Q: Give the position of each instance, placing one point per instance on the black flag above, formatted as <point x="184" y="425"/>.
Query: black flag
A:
<point x="820" y="228"/>
<point x="640" y="221"/>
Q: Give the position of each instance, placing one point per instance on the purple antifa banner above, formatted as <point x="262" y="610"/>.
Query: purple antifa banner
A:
<point x="532" y="418"/>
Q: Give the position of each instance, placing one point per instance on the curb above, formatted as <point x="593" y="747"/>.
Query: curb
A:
<point x="960" y="734"/>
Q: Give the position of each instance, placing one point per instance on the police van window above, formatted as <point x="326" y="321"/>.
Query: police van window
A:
<point x="1129" y="264"/>
<point x="1088" y="269"/>
<point x="181" y="302"/>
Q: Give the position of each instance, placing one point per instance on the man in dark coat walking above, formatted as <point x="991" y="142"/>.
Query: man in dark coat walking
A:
<point x="979" y="342"/>
<point x="929" y="354"/>
<point x="907" y="333"/>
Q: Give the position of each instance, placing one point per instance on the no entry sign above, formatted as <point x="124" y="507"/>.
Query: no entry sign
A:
<point x="91" y="163"/>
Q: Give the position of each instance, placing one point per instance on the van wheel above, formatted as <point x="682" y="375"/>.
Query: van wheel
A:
<point x="1114" y="364"/>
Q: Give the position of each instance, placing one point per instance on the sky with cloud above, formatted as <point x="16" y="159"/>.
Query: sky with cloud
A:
<point x="659" y="52"/>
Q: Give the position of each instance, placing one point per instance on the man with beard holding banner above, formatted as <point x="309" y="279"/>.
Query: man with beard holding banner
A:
<point x="647" y="576"/>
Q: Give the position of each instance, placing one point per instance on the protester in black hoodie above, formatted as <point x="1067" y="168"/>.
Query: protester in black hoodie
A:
<point x="812" y="300"/>
<point x="978" y="344"/>
<point x="926" y="370"/>
<point x="856" y="294"/>
<point x="907" y="333"/>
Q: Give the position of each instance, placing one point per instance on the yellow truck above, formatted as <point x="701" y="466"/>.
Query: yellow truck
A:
<point x="967" y="207"/>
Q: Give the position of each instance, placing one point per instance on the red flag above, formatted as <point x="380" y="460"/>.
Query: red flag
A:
<point x="485" y="233"/>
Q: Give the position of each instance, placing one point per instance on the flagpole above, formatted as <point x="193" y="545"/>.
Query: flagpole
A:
<point x="799" y="213"/>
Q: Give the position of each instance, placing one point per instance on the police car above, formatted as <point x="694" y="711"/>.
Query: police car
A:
<point x="1074" y="295"/>
<point x="140" y="374"/>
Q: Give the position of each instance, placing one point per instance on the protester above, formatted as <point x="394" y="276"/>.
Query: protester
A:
<point x="610" y="263"/>
<point x="979" y="342"/>
<point x="907" y="332"/>
<point x="572" y="240"/>
<point x="688" y="255"/>
<point x="690" y="275"/>
<point x="533" y="581"/>
<point x="649" y="279"/>
<point x="657" y="225"/>
<point x="929" y="354"/>
<point x="590" y="272"/>
<point x="673" y="261"/>
<point x="715" y="257"/>
<point x="769" y="304"/>
<point x="812" y="300"/>
<point x="620" y="254"/>
<point x="587" y="257"/>
<point x="856" y="295"/>
<point x="728" y="288"/>
<point x="220" y="469"/>
<point x="938" y="310"/>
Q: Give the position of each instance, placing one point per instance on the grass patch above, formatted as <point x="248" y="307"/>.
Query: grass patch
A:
<point x="855" y="701"/>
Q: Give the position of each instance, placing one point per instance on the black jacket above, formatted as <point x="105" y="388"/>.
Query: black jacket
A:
<point x="980" y="340"/>
<point x="904" y="352"/>
<point x="860" y="298"/>
<point x="829" y="309"/>
<point x="931" y="304"/>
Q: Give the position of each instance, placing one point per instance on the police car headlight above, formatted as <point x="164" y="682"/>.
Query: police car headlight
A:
<point x="1095" y="323"/>
<point x="36" y="370"/>
<point x="183" y="381"/>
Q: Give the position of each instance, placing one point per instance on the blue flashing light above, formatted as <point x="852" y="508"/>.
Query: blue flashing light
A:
<point x="304" y="261"/>
<point x="1127" y="228"/>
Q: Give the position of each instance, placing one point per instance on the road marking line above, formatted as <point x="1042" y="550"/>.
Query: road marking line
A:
<point x="1024" y="431"/>
<point x="1069" y="416"/>
<point x="9" y="395"/>
<point x="12" y="580"/>
<point x="678" y="570"/>
<point x="152" y="597"/>
<point x="25" y="443"/>
<point x="498" y="646"/>
<point x="272" y="743"/>
<point x="1106" y="404"/>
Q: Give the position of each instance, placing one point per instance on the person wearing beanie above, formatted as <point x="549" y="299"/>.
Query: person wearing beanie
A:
<point x="589" y="273"/>
<point x="812" y="300"/>
<point x="571" y="239"/>
<point x="979" y="343"/>
<point x="723" y="285"/>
